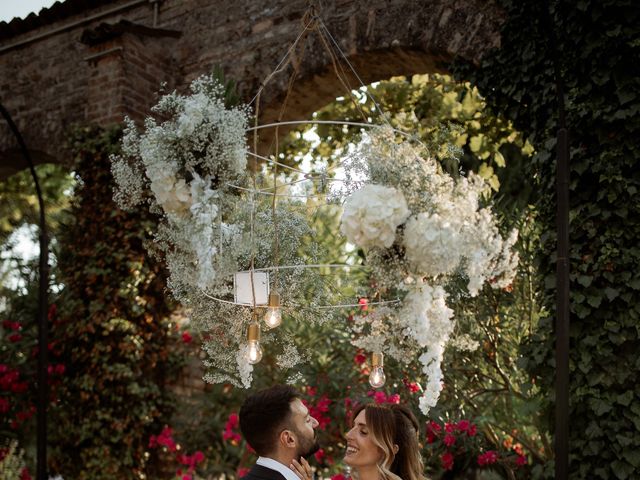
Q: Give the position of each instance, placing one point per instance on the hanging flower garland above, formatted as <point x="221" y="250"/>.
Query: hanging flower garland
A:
<point x="190" y="169"/>
<point x="419" y="228"/>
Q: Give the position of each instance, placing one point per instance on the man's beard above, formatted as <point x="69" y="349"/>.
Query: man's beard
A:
<point x="307" y="446"/>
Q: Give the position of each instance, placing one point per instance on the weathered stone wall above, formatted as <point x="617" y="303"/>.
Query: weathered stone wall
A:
<point x="99" y="64"/>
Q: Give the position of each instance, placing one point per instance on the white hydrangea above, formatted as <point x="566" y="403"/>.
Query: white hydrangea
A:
<point x="171" y="194"/>
<point x="372" y="215"/>
<point x="432" y="244"/>
<point x="193" y="114"/>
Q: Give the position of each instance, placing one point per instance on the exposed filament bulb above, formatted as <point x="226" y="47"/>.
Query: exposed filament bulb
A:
<point x="377" y="378"/>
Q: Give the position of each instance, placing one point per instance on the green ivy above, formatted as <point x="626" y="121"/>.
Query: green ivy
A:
<point x="598" y="44"/>
<point x="112" y="329"/>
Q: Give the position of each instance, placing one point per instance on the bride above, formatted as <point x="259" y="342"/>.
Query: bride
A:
<point x="381" y="445"/>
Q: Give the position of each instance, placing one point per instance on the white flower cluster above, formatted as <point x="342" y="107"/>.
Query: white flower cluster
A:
<point x="419" y="227"/>
<point x="185" y="162"/>
<point x="432" y="244"/>
<point x="190" y="169"/>
<point x="427" y="314"/>
<point x="372" y="215"/>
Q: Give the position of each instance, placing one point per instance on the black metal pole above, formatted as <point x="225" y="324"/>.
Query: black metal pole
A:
<point x="43" y="387"/>
<point x="561" y="444"/>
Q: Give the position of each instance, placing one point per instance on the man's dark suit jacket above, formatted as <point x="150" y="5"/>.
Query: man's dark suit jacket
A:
<point x="258" y="472"/>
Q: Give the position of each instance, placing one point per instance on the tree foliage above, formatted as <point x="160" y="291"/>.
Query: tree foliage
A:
<point x="593" y="43"/>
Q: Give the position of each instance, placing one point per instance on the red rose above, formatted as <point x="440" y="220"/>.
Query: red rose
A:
<point x="413" y="387"/>
<point x="488" y="458"/>
<point x="9" y="325"/>
<point x="463" y="425"/>
<point x="447" y="460"/>
<point x="242" y="472"/>
<point x="360" y="358"/>
<point x="19" y="387"/>
<point x="449" y="439"/>
<point x="433" y="427"/>
<point x="364" y="304"/>
<point x="380" y="397"/>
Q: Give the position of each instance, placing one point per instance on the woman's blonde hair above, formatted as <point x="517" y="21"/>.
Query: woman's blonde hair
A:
<point x="395" y="430"/>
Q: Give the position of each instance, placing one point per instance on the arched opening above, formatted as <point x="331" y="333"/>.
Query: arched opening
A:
<point x="14" y="162"/>
<point x="438" y="109"/>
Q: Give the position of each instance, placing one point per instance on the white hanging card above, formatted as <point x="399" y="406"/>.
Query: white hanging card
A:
<point x="244" y="292"/>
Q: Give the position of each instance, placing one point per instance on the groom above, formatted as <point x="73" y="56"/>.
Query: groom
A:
<point x="279" y="428"/>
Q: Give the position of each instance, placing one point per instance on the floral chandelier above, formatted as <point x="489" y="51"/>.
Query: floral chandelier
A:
<point x="239" y="244"/>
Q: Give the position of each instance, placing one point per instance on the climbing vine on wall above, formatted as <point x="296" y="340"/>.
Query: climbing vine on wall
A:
<point x="112" y="329"/>
<point x="596" y="41"/>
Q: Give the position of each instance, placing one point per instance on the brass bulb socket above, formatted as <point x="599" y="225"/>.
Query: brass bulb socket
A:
<point x="274" y="300"/>
<point x="253" y="332"/>
<point x="377" y="360"/>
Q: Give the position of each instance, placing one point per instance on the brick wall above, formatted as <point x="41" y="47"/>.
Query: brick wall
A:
<point x="79" y="65"/>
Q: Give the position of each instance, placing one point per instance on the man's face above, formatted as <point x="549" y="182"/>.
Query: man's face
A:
<point x="304" y="425"/>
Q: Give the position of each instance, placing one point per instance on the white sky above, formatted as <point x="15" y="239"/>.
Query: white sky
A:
<point x="21" y="8"/>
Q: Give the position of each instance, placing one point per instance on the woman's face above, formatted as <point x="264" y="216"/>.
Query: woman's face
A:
<point x="361" y="449"/>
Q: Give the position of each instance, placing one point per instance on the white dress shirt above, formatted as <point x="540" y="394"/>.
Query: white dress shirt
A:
<point x="278" y="467"/>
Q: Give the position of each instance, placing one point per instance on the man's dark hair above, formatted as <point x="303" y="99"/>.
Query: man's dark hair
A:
<point x="264" y="415"/>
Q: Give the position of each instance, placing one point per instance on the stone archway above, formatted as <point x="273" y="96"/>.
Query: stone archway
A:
<point x="71" y="65"/>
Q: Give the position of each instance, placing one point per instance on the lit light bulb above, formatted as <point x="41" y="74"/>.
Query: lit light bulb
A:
<point x="377" y="377"/>
<point x="273" y="317"/>
<point x="254" y="350"/>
